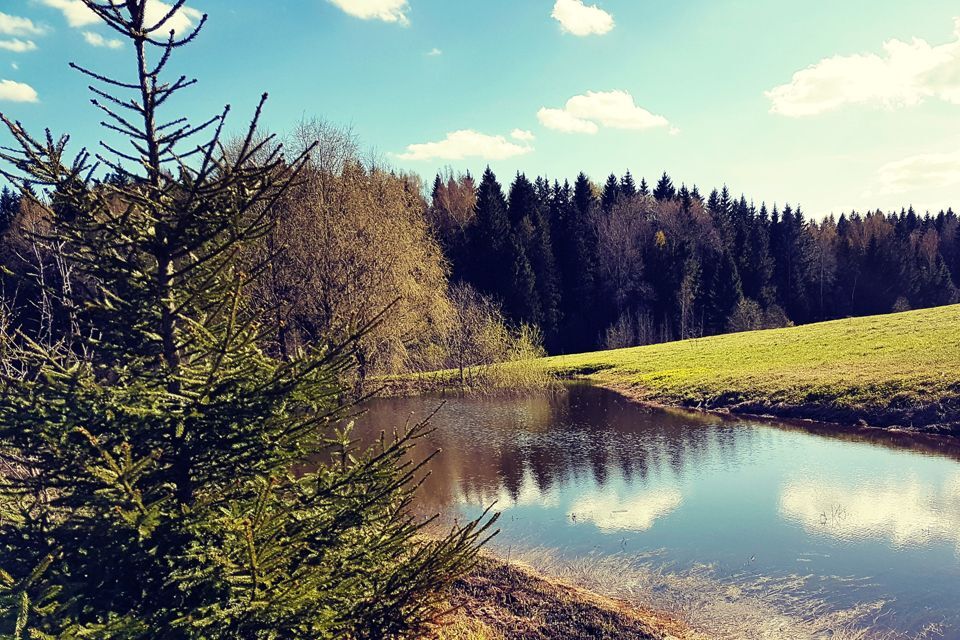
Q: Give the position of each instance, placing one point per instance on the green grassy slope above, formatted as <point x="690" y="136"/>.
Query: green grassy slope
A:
<point x="892" y="369"/>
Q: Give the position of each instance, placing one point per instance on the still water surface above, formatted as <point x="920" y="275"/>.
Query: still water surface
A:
<point x="589" y="474"/>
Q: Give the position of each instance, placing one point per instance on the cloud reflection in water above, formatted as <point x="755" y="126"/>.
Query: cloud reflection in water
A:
<point x="905" y="512"/>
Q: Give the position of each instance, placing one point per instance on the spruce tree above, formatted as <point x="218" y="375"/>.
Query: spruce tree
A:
<point x="490" y="264"/>
<point x="162" y="477"/>
<point x="724" y="295"/>
<point x="757" y="278"/>
<point x="644" y="188"/>
<point x="520" y="292"/>
<point x="665" y="189"/>
<point x="529" y="209"/>
<point x="580" y="253"/>
<point x="628" y="188"/>
<point x="611" y="194"/>
<point x="9" y="207"/>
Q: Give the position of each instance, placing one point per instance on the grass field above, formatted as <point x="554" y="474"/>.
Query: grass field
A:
<point x="898" y="369"/>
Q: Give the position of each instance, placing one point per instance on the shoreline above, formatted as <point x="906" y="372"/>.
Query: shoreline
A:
<point x="502" y="599"/>
<point x="811" y="416"/>
<point x="816" y="417"/>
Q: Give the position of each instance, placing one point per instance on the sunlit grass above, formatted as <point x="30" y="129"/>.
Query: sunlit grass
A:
<point x="902" y="366"/>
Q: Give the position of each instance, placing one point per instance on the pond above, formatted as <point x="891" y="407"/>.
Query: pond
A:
<point x="846" y="521"/>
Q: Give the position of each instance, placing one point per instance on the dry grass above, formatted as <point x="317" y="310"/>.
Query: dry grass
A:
<point x="746" y="607"/>
<point x="460" y="626"/>
<point x="501" y="600"/>
<point x="540" y="596"/>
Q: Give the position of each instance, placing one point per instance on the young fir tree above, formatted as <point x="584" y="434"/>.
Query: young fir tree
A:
<point x="156" y="476"/>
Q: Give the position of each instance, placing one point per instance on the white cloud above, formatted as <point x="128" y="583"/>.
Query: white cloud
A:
<point x="76" y="13"/>
<point x="435" y="52"/>
<point x="924" y="171"/>
<point x="560" y="120"/>
<point x="79" y="15"/>
<point x="588" y="112"/>
<point x="386" y="10"/>
<point x="906" y="74"/>
<point x="465" y="143"/>
<point x="17" y="26"/>
<point x="12" y="91"/>
<point x="580" y="19"/>
<point x="522" y="135"/>
<point x="17" y="45"/>
<point x="97" y="40"/>
<point x="15" y="66"/>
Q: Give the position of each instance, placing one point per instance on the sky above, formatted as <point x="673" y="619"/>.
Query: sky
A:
<point x="835" y="105"/>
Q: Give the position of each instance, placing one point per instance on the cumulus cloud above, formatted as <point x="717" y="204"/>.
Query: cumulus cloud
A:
<point x="434" y="52"/>
<point x="97" y="40"/>
<point x="12" y="91"/>
<point x="588" y="112"/>
<point x="580" y="19"/>
<point x="522" y="135"/>
<point x="79" y="15"/>
<point x="560" y="120"/>
<point x="465" y="143"/>
<point x="905" y="74"/>
<point x="386" y="10"/>
<point x="17" y="45"/>
<point x="76" y="13"/>
<point x="923" y="171"/>
<point x="17" y="26"/>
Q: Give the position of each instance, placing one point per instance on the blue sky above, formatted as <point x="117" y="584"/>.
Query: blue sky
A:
<point x="835" y="105"/>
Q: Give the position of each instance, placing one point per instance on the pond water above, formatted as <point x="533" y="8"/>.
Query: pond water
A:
<point x="591" y="475"/>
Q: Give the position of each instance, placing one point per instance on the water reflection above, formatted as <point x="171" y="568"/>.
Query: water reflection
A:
<point x="635" y="511"/>
<point x="591" y="475"/>
<point x="905" y="512"/>
<point x="529" y="450"/>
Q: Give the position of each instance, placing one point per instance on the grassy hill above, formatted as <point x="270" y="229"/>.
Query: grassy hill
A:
<point x="897" y="369"/>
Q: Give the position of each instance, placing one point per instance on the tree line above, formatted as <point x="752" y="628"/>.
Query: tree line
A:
<point x="623" y="264"/>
